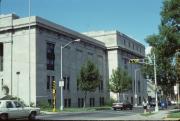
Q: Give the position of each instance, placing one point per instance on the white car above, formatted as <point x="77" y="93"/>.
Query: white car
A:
<point x="13" y="109"/>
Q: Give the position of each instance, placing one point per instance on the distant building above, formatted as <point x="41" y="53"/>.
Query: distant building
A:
<point x="29" y="67"/>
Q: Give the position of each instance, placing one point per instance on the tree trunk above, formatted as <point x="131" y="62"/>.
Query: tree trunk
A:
<point x="123" y="96"/>
<point x="85" y="94"/>
<point x="118" y="96"/>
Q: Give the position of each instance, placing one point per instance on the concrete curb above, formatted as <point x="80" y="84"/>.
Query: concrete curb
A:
<point x="171" y="119"/>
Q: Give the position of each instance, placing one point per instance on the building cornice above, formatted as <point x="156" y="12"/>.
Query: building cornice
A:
<point x="125" y="49"/>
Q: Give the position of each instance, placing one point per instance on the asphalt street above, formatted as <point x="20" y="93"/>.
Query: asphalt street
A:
<point x="96" y="115"/>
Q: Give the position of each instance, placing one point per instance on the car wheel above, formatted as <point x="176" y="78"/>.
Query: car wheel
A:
<point x="32" y="116"/>
<point x="4" y="117"/>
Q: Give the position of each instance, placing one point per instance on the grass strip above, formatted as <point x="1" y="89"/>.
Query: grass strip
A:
<point x="174" y="115"/>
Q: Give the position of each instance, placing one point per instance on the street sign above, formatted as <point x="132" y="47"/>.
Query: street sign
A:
<point x="61" y="83"/>
<point x="135" y="95"/>
<point x="175" y="90"/>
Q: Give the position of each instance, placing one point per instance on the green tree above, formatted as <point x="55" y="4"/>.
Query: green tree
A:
<point x="120" y="81"/>
<point x="169" y="29"/>
<point x="89" y="79"/>
<point x="5" y="88"/>
<point x="166" y="43"/>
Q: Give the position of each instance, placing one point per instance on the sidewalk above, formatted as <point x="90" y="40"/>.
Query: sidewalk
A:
<point x="161" y="115"/>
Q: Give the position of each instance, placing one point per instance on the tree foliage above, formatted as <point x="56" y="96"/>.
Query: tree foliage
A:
<point x="89" y="78"/>
<point x="120" y="81"/>
<point x="166" y="43"/>
<point x="5" y="88"/>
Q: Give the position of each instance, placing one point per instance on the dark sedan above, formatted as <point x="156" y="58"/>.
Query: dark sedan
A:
<point x="123" y="105"/>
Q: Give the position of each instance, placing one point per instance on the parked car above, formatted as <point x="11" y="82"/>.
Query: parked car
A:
<point x="163" y="104"/>
<point x="123" y="105"/>
<point x="13" y="109"/>
<point x="152" y="103"/>
<point x="173" y="102"/>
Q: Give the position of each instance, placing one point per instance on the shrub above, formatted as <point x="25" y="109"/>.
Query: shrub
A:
<point x="43" y="104"/>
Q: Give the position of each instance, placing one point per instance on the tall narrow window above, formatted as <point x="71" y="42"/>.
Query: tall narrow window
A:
<point x="139" y="100"/>
<point x="52" y="79"/>
<point x="65" y="102"/>
<point x="101" y="101"/>
<point x="66" y="83"/>
<point x="131" y="100"/>
<point x="69" y="102"/>
<point x="91" y="102"/>
<point x="48" y="82"/>
<point x="101" y="86"/>
<point x="124" y="42"/>
<point x="80" y="102"/>
<point x="2" y="83"/>
<point x="50" y="56"/>
<point x="1" y="57"/>
<point x="64" y="79"/>
<point x="139" y="87"/>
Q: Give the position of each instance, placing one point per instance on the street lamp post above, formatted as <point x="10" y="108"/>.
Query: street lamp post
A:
<point x="18" y="73"/>
<point x="135" y="92"/>
<point x="156" y="107"/>
<point x="61" y="81"/>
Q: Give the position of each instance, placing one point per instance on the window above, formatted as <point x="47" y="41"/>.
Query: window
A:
<point x="66" y="83"/>
<point x="80" y="102"/>
<point x="52" y="79"/>
<point x="129" y="44"/>
<point x="77" y="86"/>
<point x="2" y="83"/>
<point x="92" y="102"/>
<point x="133" y="46"/>
<point x="17" y="104"/>
<point x="125" y="63"/>
<point x="67" y="102"/>
<point x="50" y="56"/>
<point x="140" y="100"/>
<point x="132" y="100"/>
<point x="101" y="101"/>
<point x="48" y="82"/>
<point x="101" y="86"/>
<point x="50" y="102"/>
<point x="139" y="86"/>
<point x="124" y="42"/>
<point x="1" y="57"/>
<point x="9" y="104"/>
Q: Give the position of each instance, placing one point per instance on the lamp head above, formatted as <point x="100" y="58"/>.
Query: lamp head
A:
<point x="77" y="40"/>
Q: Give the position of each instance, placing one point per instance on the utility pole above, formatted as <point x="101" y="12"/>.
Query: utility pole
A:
<point x="29" y="54"/>
<point x="156" y="107"/>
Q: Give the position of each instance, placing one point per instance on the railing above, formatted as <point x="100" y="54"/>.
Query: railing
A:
<point x="1" y="63"/>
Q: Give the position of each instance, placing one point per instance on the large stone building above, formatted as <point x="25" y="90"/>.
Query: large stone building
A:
<point x="121" y="48"/>
<point x="29" y="64"/>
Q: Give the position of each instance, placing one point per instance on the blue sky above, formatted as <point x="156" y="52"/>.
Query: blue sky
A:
<point x="135" y="18"/>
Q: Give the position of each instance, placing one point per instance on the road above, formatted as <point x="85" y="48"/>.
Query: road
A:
<point x="96" y="115"/>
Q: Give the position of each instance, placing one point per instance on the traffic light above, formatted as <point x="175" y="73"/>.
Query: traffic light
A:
<point x="134" y="60"/>
<point x="54" y="85"/>
<point x="142" y="61"/>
